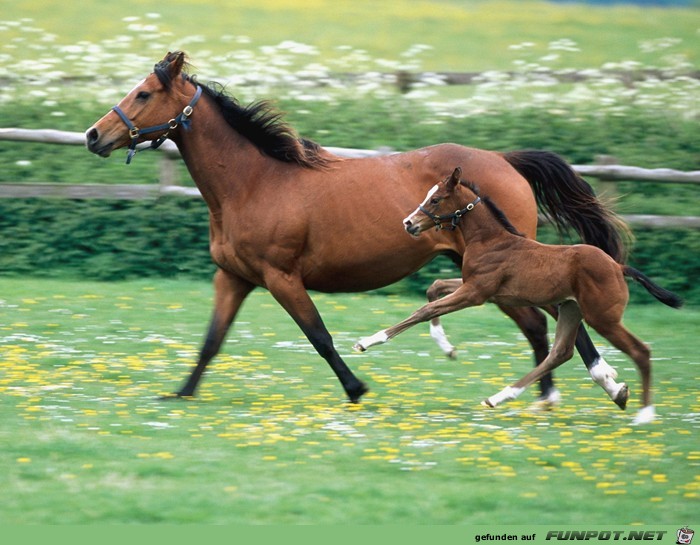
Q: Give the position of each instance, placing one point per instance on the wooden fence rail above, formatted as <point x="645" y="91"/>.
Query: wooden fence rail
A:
<point x="168" y="178"/>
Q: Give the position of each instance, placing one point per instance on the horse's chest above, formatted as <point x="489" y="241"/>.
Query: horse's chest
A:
<point x="237" y="258"/>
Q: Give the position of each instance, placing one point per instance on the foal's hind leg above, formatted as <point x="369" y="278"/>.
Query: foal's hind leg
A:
<point x="533" y="324"/>
<point x="625" y="341"/>
<point x="562" y="350"/>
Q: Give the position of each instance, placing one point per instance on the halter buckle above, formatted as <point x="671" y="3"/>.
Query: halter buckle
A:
<point x="134" y="133"/>
<point x="187" y="111"/>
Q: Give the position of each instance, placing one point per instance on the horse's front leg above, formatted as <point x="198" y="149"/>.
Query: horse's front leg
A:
<point x="229" y="293"/>
<point x="289" y="291"/>
<point x="466" y="295"/>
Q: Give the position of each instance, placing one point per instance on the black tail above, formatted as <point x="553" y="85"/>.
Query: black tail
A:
<point x="666" y="297"/>
<point x="568" y="201"/>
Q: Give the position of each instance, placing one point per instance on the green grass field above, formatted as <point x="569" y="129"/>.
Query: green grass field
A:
<point x="86" y="439"/>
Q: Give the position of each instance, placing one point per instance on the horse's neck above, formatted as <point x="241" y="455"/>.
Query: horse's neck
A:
<point x="218" y="158"/>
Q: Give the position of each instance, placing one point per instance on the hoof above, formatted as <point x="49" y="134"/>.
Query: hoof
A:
<point x="542" y="405"/>
<point x="487" y="403"/>
<point x="354" y="394"/>
<point x="452" y="354"/>
<point x="645" y="415"/>
<point x="546" y="402"/>
<point x="622" y="397"/>
<point x="175" y="395"/>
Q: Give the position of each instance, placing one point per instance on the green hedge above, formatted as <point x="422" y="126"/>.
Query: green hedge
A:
<point x="105" y="240"/>
<point x="168" y="237"/>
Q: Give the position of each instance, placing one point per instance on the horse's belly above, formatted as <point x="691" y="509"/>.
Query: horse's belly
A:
<point x="359" y="278"/>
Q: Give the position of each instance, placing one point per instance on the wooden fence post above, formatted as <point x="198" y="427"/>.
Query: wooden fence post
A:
<point x="167" y="172"/>
<point x="607" y="189"/>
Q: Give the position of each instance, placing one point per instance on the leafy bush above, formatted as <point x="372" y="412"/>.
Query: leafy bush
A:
<point x="105" y="240"/>
<point x="168" y="237"/>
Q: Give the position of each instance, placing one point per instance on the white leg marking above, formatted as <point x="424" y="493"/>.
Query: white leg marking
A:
<point x="504" y="395"/>
<point x="604" y="375"/>
<point x="378" y="338"/>
<point x="645" y="415"/>
<point x="548" y="402"/>
<point x="438" y="334"/>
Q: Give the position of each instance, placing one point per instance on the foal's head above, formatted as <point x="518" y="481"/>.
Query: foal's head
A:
<point x="443" y="206"/>
<point x="447" y="202"/>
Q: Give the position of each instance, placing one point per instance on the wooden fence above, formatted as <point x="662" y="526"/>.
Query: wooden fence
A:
<point x="168" y="184"/>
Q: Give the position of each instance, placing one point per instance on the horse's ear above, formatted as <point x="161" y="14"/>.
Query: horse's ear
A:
<point x="454" y="178"/>
<point x="175" y="62"/>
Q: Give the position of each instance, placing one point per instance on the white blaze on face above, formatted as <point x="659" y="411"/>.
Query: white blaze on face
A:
<point x="430" y="194"/>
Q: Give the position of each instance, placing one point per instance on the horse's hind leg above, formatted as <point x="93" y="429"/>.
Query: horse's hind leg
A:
<point x="601" y="372"/>
<point x="229" y="293"/>
<point x="562" y="350"/>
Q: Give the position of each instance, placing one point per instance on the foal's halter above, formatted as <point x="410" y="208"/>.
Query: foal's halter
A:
<point x="183" y="118"/>
<point x="454" y="218"/>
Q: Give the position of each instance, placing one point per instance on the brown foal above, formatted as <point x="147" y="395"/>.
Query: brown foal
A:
<point x="504" y="267"/>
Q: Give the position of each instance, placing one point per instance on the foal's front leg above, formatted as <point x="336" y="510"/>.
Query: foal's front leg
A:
<point x="464" y="296"/>
<point x="438" y="289"/>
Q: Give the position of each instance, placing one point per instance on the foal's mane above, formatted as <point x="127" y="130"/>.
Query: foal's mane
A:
<point x="259" y="122"/>
<point x="496" y="212"/>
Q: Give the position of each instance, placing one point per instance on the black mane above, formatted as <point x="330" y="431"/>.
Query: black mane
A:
<point x="495" y="211"/>
<point x="259" y="122"/>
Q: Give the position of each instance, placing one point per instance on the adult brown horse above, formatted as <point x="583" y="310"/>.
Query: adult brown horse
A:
<point x="504" y="267"/>
<point x="289" y="216"/>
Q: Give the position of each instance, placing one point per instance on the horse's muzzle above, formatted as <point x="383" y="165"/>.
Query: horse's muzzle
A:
<point x="94" y="143"/>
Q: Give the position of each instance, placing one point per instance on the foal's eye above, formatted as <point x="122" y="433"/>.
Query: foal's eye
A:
<point x="143" y="95"/>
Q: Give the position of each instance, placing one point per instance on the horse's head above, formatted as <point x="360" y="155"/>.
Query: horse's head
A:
<point x="439" y="206"/>
<point x="151" y="111"/>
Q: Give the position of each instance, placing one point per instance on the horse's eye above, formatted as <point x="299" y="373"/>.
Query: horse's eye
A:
<point x="143" y="95"/>
<point x="434" y="201"/>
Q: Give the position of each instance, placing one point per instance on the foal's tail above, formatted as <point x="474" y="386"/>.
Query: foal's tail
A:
<point x="568" y="201"/>
<point x="666" y="297"/>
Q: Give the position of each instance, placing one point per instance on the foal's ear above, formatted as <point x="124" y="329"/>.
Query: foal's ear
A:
<point x="454" y="178"/>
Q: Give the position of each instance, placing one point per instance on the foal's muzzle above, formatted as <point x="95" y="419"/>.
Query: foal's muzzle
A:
<point x="411" y="228"/>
